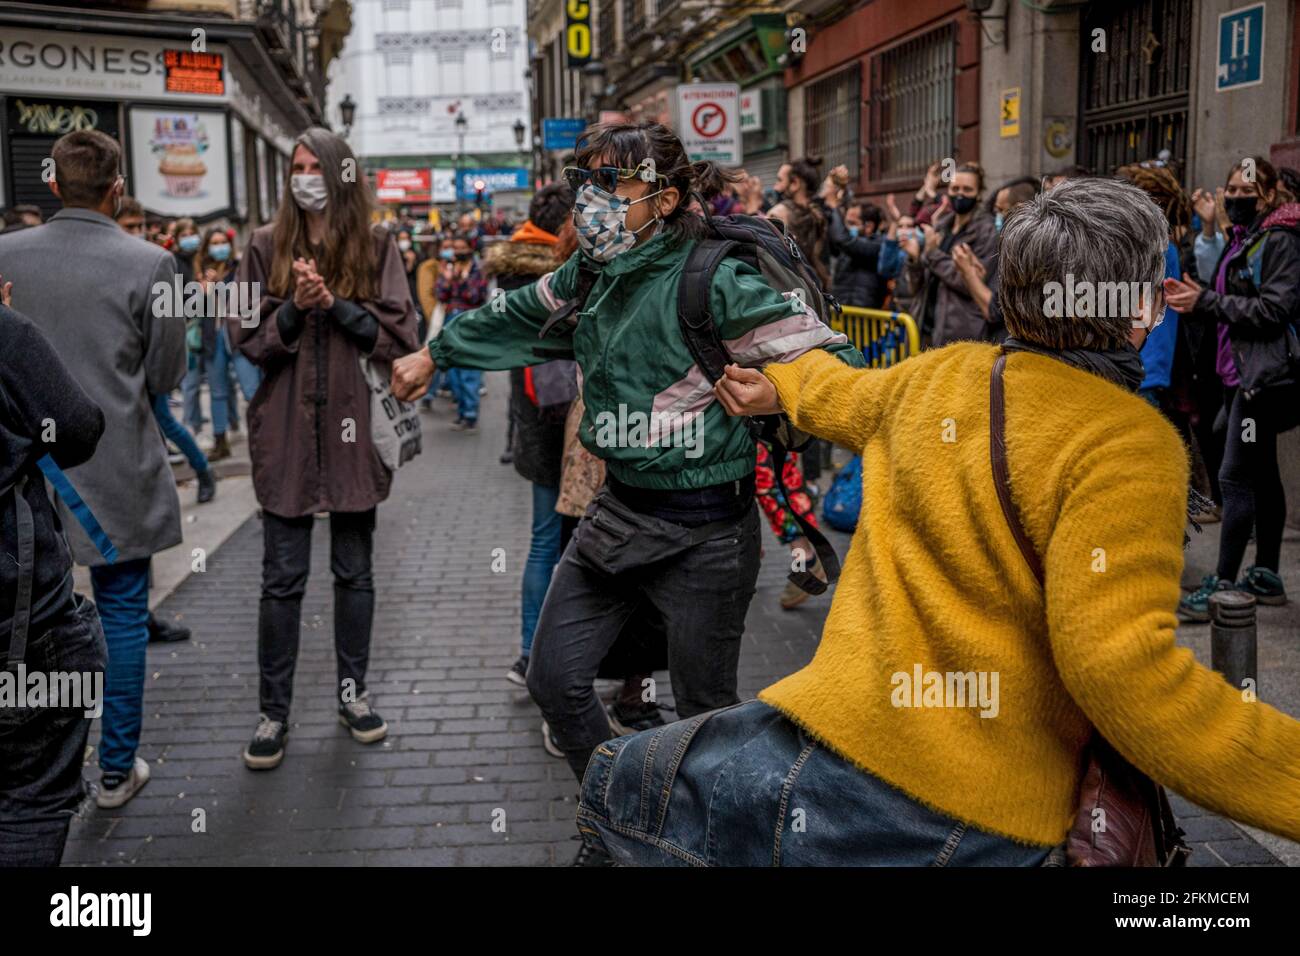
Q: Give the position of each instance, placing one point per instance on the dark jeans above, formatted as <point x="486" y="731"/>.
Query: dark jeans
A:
<point x="41" y="748"/>
<point x="286" y="560"/>
<point x="700" y="594"/>
<point x="1251" y="484"/>
<point x="745" y="786"/>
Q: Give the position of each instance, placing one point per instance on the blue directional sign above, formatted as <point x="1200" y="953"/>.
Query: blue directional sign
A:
<point x="561" y="132"/>
<point x="1241" y="48"/>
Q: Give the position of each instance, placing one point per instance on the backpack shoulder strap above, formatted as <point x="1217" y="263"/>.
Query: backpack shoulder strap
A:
<point x="699" y="329"/>
<point x="1001" y="474"/>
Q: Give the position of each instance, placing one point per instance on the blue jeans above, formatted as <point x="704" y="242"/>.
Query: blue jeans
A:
<point x="122" y="593"/>
<point x="464" y="383"/>
<point x="744" y="786"/>
<point x="178" y="434"/>
<point x="543" y="553"/>
<point x="247" y="374"/>
<point x="217" y="369"/>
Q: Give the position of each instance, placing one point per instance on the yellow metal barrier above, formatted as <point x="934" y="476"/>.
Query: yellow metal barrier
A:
<point x="883" y="338"/>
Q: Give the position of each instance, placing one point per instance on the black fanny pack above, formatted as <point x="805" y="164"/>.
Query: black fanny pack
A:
<point x="613" y="537"/>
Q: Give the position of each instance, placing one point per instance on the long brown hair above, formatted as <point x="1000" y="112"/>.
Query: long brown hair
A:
<point x="347" y="261"/>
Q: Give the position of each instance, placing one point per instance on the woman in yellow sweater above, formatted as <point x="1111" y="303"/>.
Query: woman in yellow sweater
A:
<point x="945" y="716"/>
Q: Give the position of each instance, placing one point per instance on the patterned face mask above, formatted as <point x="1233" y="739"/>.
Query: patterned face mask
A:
<point x="601" y="221"/>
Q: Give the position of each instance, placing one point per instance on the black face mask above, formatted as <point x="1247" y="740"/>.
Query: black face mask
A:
<point x="963" y="204"/>
<point x="462" y="256"/>
<point x="1241" y="210"/>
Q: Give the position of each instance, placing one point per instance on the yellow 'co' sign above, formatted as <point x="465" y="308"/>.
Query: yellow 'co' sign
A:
<point x="577" y="32"/>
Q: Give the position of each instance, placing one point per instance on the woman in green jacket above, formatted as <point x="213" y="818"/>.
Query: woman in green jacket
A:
<point x="675" y="526"/>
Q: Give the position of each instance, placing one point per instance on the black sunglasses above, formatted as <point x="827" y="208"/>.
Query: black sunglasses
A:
<point x="607" y="178"/>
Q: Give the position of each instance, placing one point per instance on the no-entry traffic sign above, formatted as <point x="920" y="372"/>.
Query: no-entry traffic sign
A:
<point x="708" y="122"/>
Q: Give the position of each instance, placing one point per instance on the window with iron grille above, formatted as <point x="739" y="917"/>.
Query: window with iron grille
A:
<point x="832" y="123"/>
<point x="913" y="113"/>
<point x="633" y="19"/>
<point x="1135" y="95"/>
<point x="606" y="34"/>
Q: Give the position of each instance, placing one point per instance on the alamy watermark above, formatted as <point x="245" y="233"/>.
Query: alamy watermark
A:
<point x="922" y="688"/>
<point x="181" y="299"/>
<point x="75" y="690"/>
<point x="636" y="429"/>
<point x="1100" y="300"/>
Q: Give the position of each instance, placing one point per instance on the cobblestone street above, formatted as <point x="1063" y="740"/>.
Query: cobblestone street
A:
<point x="464" y="747"/>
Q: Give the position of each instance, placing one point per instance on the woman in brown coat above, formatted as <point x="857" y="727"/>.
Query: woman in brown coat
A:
<point x="333" y="292"/>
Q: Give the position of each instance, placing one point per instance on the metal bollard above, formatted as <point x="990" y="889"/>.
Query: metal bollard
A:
<point x="1232" y="636"/>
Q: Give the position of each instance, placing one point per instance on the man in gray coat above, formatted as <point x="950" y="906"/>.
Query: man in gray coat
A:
<point x="89" y="287"/>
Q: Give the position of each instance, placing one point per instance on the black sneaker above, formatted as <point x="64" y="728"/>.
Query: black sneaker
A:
<point x="207" y="486"/>
<point x="627" y="719"/>
<point x="164" y="632"/>
<point x="589" y="855"/>
<point x="1264" y="584"/>
<point x="465" y="425"/>
<point x="518" y="673"/>
<point x="367" y="727"/>
<point x="266" y="749"/>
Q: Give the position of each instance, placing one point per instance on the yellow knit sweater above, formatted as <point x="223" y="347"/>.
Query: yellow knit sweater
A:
<point x="934" y="582"/>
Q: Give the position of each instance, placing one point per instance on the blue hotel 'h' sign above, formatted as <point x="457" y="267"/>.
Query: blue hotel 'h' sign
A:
<point x="1241" y="48"/>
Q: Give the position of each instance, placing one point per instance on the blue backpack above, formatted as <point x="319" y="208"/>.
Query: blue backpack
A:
<point x="842" y="503"/>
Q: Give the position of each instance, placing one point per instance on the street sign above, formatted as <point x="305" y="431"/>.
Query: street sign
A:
<point x="561" y="132"/>
<point x="488" y="181"/>
<point x="444" y="185"/>
<point x="751" y="111"/>
<point x="1009" y="113"/>
<point x="1241" y="48"/>
<point x="577" y="33"/>
<point x="402" y="185"/>
<point x="708" y="122"/>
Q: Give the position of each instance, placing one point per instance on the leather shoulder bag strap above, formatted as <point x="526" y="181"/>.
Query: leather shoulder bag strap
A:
<point x="1001" y="475"/>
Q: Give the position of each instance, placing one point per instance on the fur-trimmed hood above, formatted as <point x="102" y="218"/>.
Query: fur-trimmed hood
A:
<point x="520" y="257"/>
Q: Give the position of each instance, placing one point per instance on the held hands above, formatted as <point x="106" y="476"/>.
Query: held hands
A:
<point x="746" y="391"/>
<point x="967" y="262"/>
<point x="1182" y="296"/>
<point x="412" y="375"/>
<point x="309" y="288"/>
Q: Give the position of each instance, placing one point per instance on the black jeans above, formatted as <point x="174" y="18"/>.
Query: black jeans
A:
<point x="286" y="559"/>
<point x="700" y="594"/>
<point x="1251" y="483"/>
<point x="42" y="748"/>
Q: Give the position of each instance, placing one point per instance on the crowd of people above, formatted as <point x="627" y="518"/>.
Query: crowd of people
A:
<point x="644" y="551"/>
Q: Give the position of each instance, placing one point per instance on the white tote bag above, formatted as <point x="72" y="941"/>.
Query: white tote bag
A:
<point x="394" y="424"/>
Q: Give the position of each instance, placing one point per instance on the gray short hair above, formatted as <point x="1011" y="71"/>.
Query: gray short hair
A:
<point x="1102" y="232"/>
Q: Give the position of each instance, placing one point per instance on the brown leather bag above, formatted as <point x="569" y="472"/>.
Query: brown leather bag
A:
<point x="1124" y="817"/>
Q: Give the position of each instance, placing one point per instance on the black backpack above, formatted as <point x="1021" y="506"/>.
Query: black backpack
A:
<point x="764" y="245"/>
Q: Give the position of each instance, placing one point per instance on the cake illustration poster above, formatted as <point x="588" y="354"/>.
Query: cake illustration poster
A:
<point x="180" y="162"/>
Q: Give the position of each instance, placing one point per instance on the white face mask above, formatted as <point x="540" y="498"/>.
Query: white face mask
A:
<point x="404" y="244"/>
<point x="309" y="191"/>
<point x="601" y="222"/>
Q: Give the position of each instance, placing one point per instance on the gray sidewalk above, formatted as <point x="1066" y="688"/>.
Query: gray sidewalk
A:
<point x="464" y="750"/>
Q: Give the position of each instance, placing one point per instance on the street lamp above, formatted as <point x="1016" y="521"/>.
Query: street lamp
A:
<point x="348" y="112"/>
<point x="519" y="133"/>
<point x="593" y="76"/>
<point x="462" y="125"/>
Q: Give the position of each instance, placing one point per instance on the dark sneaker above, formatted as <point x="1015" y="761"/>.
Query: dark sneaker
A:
<point x="266" y="749"/>
<point x="518" y="673"/>
<point x="465" y="424"/>
<point x="550" y="743"/>
<point x="506" y="458"/>
<point x="1264" y="584"/>
<point x="627" y="719"/>
<point x="164" y="632"/>
<point x="117" y="788"/>
<point x="367" y="727"/>
<point x="220" y="449"/>
<point x="589" y="855"/>
<point x="207" y="486"/>
<point x="1194" y="608"/>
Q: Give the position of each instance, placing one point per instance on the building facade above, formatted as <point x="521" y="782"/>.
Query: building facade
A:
<point x="442" y="100"/>
<point x="205" y="96"/>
